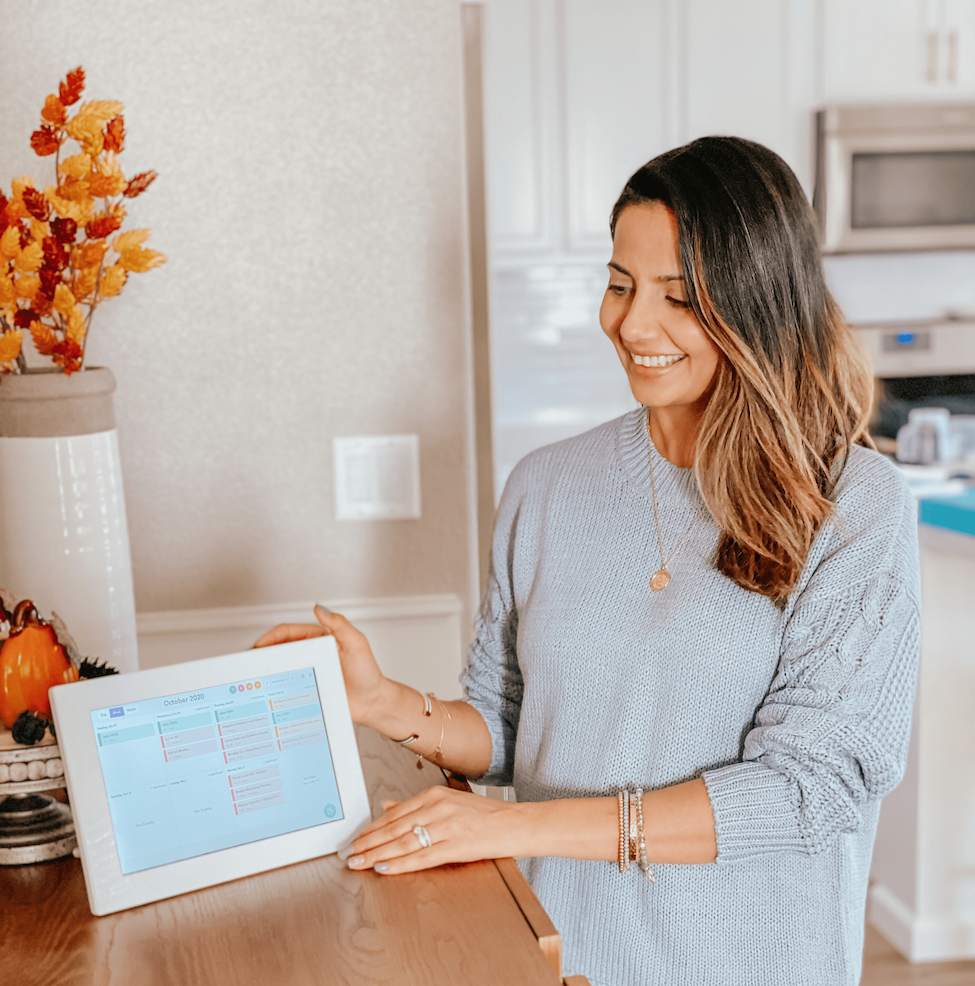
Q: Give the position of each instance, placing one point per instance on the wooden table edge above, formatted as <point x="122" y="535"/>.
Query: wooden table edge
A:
<point x="549" y="940"/>
<point x="536" y="917"/>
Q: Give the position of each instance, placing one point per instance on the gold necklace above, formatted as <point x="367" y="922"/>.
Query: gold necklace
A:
<point x="661" y="578"/>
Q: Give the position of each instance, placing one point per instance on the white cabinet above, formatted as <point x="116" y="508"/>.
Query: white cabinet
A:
<point x="735" y="68"/>
<point x="573" y="105"/>
<point x="613" y="60"/>
<point x="520" y="124"/>
<point x="580" y="93"/>
<point x="922" y="892"/>
<point x="748" y="70"/>
<point x="887" y="50"/>
<point x="956" y="38"/>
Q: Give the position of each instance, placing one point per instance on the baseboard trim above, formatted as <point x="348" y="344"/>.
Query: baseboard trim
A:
<point x="920" y="939"/>
<point x="891" y="917"/>
<point x="257" y="617"/>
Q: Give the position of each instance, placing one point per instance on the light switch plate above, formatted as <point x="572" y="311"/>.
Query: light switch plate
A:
<point x="377" y="477"/>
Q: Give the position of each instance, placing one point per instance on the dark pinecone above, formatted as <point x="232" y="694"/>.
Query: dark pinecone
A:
<point x="92" y="669"/>
<point x="29" y="728"/>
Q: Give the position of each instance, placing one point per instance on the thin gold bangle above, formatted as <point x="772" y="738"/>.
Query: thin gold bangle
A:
<point x="444" y="715"/>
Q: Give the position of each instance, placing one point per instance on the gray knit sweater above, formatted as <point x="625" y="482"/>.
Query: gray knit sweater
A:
<point x="798" y="720"/>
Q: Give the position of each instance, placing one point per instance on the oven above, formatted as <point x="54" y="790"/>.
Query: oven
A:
<point x="921" y="365"/>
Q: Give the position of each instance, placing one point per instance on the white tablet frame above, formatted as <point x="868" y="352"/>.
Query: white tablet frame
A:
<point x="110" y="890"/>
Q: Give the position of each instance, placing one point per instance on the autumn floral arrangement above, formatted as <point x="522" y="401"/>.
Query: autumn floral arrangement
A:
<point x="61" y="250"/>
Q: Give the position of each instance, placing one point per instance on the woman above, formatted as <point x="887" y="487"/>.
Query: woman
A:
<point x="713" y="599"/>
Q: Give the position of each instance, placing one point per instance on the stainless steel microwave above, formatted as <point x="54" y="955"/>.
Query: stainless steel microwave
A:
<point x="895" y="177"/>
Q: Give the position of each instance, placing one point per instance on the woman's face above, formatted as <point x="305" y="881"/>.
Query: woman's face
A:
<point x="668" y="357"/>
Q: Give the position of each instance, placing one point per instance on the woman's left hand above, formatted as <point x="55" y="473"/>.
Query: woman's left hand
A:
<point x="462" y="827"/>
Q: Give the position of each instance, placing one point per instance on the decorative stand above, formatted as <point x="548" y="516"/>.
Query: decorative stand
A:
<point x="34" y="827"/>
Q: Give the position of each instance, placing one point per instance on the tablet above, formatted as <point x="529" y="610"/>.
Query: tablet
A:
<point x="190" y="775"/>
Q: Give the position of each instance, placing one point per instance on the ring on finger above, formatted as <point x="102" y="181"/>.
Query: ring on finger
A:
<point x="423" y="836"/>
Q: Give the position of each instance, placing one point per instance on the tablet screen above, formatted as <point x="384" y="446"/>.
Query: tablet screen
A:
<point x="192" y="773"/>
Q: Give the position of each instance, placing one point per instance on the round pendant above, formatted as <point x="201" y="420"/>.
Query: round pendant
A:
<point x="660" y="580"/>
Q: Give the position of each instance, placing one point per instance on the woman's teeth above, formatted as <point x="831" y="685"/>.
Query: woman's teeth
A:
<point x="657" y="360"/>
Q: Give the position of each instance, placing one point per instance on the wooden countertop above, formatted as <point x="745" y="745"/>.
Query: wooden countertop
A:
<point x="313" y="923"/>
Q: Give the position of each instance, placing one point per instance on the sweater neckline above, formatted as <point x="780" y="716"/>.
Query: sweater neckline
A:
<point x="636" y="448"/>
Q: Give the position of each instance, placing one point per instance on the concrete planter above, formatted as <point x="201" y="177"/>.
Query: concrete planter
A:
<point x="64" y="542"/>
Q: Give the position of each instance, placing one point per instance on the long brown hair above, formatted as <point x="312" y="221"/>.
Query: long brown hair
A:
<point x="792" y="394"/>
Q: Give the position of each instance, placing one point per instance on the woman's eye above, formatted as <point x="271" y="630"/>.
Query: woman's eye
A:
<point x="618" y="289"/>
<point x="677" y="303"/>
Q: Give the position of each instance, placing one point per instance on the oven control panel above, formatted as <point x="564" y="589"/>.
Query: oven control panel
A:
<point x="919" y="350"/>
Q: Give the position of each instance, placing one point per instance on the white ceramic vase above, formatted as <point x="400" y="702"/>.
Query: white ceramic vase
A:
<point x="64" y="542"/>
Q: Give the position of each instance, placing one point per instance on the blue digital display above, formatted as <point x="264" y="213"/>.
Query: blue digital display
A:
<point x="222" y="766"/>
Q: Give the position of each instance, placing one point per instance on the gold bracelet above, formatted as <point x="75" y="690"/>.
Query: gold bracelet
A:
<point x="444" y="715"/>
<point x="427" y="711"/>
<point x="413" y="737"/>
<point x="623" y="803"/>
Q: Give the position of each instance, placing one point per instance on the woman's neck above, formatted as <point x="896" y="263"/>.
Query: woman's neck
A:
<point x="674" y="432"/>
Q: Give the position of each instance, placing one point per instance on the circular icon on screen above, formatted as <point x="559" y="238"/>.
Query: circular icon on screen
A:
<point x="257" y="684"/>
<point x="233" y="689"/>
<point x="249" y="686"/>
<point x="329" y="811"/>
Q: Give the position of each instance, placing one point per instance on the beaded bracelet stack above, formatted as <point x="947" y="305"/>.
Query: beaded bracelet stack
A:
<point x="632" y="844"/>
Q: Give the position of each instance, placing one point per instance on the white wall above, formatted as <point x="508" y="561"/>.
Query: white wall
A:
<point x="310" y="200"/>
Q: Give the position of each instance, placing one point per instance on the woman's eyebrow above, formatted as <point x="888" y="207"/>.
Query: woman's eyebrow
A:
<point x="663" y="279"/>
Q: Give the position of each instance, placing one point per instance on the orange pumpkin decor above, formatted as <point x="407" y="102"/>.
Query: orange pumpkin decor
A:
<point x="31" y="661"/>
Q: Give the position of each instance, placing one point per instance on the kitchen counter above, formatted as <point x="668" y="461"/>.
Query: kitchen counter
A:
<point x="954" y="513"/>
<point x="922" y="895"/>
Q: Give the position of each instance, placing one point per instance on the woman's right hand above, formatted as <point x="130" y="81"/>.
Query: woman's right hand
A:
<point x="363" y="680"/>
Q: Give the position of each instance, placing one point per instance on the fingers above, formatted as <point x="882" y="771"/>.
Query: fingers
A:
<point x="389" y="833"/>
<point x="424" y="859"/>
<point x="285" y="633"/>
<point x="394" y="810"/>
<point x="391" y="845"/>
<point x="406" y="844"/>
<point x="329" y="623"/>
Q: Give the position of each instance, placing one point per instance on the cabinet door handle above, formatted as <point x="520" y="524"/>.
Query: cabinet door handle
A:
<point x="932" y="56"/>
<point x="953" y="56"/>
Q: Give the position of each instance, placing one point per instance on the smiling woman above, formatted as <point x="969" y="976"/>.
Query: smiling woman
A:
<point x="669" y="358"/>
<point x="698" y="644"/>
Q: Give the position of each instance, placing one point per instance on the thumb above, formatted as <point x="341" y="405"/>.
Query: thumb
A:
<point x="324" y="616"/>
<point x="338" y="626"/>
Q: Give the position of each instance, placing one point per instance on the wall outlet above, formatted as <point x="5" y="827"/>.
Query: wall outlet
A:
<point x="377" y="477"/>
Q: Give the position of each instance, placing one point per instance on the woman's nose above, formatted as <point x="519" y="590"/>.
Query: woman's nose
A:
<point x="641" y="322"/>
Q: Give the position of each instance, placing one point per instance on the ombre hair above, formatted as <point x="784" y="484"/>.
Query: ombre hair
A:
<point x="792" y="394"/>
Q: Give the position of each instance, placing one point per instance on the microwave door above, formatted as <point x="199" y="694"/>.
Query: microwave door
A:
<point x="910" y="189"/>
<point x="899" y="192"/>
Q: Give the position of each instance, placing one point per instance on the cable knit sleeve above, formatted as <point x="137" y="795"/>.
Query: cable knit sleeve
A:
<point x="492" y="680"/>
<point x="833" y="731"/>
